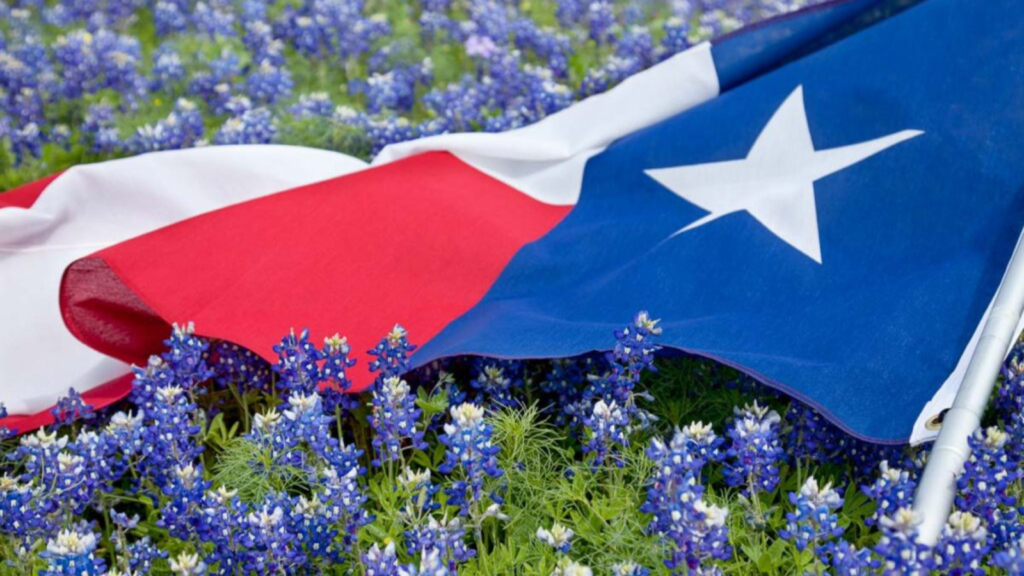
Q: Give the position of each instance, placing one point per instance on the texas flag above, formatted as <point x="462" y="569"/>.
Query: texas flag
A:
<point x="827" y="202"/>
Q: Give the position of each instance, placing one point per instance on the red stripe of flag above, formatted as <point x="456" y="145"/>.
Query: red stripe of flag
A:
<point x="417" y="242"/>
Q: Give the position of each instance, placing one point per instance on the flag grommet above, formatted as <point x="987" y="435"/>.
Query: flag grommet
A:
<point x="935" y="422"/>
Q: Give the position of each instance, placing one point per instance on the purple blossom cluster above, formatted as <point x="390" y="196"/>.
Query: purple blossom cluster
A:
<point x="249" y="71"/>
<point x="676" y="500"/>
<point x="140" y="488"/>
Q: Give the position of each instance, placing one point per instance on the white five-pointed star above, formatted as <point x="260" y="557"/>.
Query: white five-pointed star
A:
<point x="775" y="182"/>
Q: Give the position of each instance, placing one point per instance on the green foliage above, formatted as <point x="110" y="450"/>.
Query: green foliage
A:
<point x="251" y="470"/>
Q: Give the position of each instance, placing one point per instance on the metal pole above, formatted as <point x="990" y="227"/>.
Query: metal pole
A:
<point x="935" y="493"/>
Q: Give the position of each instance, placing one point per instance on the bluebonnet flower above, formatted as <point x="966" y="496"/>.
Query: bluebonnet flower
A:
<point x="983" y="485"/>
<point x="378" y="562"/>
<point x="259" y="39"/>
<point x="60" y="135"/>
<point x="461" y="104"/>
<point x="388" y="130"/>
<point x="495" y="381"/>
<point x="118" y="60"/>
<point x="240" y="368"/>
<point x="212" y="21"/>
<point x="98" y="450"/>
<point x="480" y="47"/>
<point x="430" y="565"/>
<point x="314" y="105"/>
<point x="570" y="12"/>
<point x="848" y="560"/>
<point x="254" y="126"/>
<point x="892" y="490"/>
<point x="699" y="533"/>
<point x="421" y="493"/>
<point x="298" y="363"/>
<point x="268" y="83"/>
<point x="391" y="355"/>
<point x="5" y="432"/>
<point x="78" y="63"/>
<point x="632" y="355"/>
<point x="273" y="548"/>
<point x="551" y="47"/>
<point x="866" y="457"/>
<point x="132" y="557"/>
<point x="813" y="521"/>
<point x="98" y="131"/>
<point x="600" y="79"/>
<point x="350" y="117"/>
<point x="434" y="25"/>
<point x="898" y="548"/>
<point x="558" y="537"/>
<point x="564" y="383"/>
<point x="186" y="356"/>
<point x="389" y="91"/>
<point x="675" y="499"/>
<point x="169" y="17"/>
<point x="26" y="141"/>
<point x="182" y="128"/>
<point x="606" y="432"/>
<point x="629" y="568"/>
<point x="1010" y="393"/>
<point x="72" y="553"/>
<point x="445" y="536"/>
<point x="470" y="448"/>
<point x="1011" y="559"/>
<point x="755" y="450"/>
<point x="569" y="567"/>
<point x="600" y="20"/>
<point x="690" y="449"/>
<point x="185" y="489"/>
<point x="963" y="544"/>
<point x="70" y="408"/>
<point x="168" y="436"/>
<point x="187" y="564"/>
<point x="125" y="432"/>
<point x="342" y="495"/>
<point x="393" y="419"/>
<point x="810" y="436"/>
<point x="636" y="43"/>
<point x="334" y="374"/>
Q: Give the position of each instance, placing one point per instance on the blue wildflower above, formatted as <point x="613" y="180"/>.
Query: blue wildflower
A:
<point x="470" y="448"/>
<point x="72" y="553"/>
<point x="391" y="355"/>
<point x="898" y="548"/>
<point x="813" y="522"/>
<point x="254" y="126"/>
<point x="755" y="452"/>
<point x="298" y="363"/>
<point x="70" y="408"/>
<point x="606" y="433"/>
<point x="558" y="537"/>
<point x="379" y="562"/>
<point x="1011" y="559"/>
<point x="962" y="546"/>
<point x="393" y="419"/>
<point x="892" y="490"/>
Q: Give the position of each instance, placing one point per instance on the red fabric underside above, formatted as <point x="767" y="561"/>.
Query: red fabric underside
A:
<point x="25" y="196"/>
<point x="417" y="242"/>
<point x="98" y="397"/>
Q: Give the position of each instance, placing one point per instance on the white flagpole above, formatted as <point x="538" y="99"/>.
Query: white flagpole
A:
<point x="935" y="493"/>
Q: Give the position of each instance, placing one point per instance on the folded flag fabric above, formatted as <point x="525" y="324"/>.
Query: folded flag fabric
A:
<point x="832" y="218"/>
<point x="46" y="225"/>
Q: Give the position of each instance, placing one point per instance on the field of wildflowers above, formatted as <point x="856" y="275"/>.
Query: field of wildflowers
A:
<point x="221" y="463"/>
<point x="610" y="464"/>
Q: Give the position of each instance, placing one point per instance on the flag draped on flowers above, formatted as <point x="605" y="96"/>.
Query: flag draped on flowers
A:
<point x="830" y="216"/>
